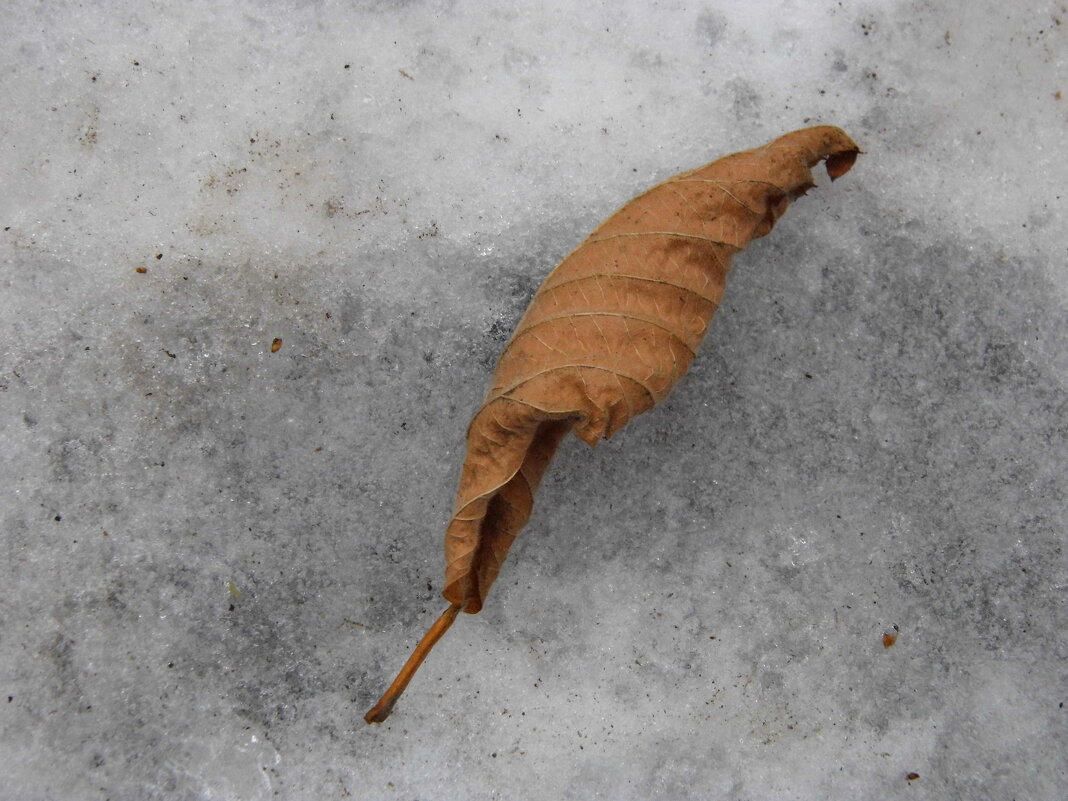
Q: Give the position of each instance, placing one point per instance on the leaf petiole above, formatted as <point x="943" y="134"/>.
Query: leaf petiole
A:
<point x="381" y="710"/>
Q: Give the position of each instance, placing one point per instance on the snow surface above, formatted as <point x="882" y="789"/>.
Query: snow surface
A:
<point x="215" y="557"/>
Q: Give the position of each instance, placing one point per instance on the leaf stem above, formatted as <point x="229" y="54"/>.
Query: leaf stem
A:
<point x="381" y="710"/>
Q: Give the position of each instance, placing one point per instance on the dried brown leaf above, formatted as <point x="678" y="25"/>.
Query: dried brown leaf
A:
<point x="607" y="336"/>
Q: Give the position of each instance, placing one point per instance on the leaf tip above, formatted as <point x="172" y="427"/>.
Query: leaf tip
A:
<point x="838" y="164"/>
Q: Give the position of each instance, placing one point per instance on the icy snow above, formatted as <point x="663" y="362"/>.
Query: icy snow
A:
<point x="215" y="557"/>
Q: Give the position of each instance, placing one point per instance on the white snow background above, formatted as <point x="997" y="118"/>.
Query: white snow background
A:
<point x="213" y="558"/>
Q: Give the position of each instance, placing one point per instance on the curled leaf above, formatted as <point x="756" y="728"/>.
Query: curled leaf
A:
<point x="608" y="335"/>
<point x="611" y="331"/>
